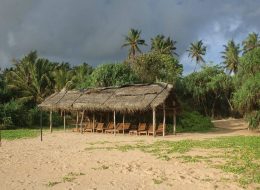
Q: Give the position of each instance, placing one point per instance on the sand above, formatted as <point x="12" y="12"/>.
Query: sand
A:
<point x="62" y="157"/>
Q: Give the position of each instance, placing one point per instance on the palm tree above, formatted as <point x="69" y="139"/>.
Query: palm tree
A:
<point x="81" y="74"/>
<point x="163" y="46"/>
<point x="62" y="78"/>
<point x="196" y="51"/>
<point x="133" y="39"/>
<point x="251" y="42"/>
<point x="231" y="56"/>
<point x="30" y="79"/>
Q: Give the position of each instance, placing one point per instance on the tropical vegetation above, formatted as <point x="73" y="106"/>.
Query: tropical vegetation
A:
<point x="215" y="90"/>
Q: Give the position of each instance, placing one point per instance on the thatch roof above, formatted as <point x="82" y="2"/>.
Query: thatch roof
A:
<point x="130" y="98"/>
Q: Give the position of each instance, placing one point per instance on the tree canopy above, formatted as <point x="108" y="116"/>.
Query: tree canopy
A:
<point x="153" y="66"/>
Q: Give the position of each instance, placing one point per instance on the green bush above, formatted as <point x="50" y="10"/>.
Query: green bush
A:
<point x="191" y="122"/>
<point x="34" y="116"/>
<point x="254" y="119"/>
<point x="114" y="74"/>
<point x="13" y="115"/>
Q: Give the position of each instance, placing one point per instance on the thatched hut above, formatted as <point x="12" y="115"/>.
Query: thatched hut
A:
<point x="128" y="99"/>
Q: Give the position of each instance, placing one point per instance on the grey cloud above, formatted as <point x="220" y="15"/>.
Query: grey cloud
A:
<point x="93" y="31"/>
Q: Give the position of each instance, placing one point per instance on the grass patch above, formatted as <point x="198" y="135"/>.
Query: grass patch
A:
<point x="68" y="179"/>
<point x="240" y="154"/>
<point x="19" y="133"/>
<point x="159" y="180"/>
<point x="71" y="176"/>
<point x="52" y="183"/>
<point x="190" y="159"/>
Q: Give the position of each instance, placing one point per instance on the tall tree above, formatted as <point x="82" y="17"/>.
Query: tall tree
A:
<point x="30" y="79"/>
<point x="231" y="56"/>
<point x="133" y="40"/>
<point x="163" y="45"/>
<point x="251" y="42"/>
<point x="62" y="76"/>
<point x="156" y="67"/>
<point x="196" y="51"/>
<point x="81" y="74"/>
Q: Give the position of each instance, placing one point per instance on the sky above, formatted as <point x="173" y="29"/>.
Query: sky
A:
<point x="93" y="31"/>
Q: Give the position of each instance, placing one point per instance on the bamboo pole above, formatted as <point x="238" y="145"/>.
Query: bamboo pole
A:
<point x="81" y="122"/>
<point x="41" y="124"/>
<point x="77" y="122"/>
<point x="174" y="118"/>
<point x="93" y="123"/>
<point x="164" y="118"/>
<point x="51" y="121"/>
<point x="64" y="120"/>
<point x="124" y="124"/>
<point x="114" y="122"/>
<point x="154" y="121"/>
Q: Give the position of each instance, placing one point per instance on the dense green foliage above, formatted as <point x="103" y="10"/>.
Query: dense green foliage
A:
<point x="247" y="96"/>
<point x="155" y="66"/>
<point x="112" y="75"/>
<point x="207" y="90"/>
<point x="193" y="122"/>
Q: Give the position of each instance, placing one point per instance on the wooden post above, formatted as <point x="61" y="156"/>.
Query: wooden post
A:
<point x="114" y="122"/>
<point x="77" y="122"/>
<point x="51" y="121"/>
<point x="41" y="123"/>
<point x="164" y="118"/>
<point x="154" y="121"/>
<point x="64" y="120"/>
<point x="0" y="137"/>
<point x="174" y="118"/>
<point x="93" y="123"/>
<point x="124" y="124"/>
<point x="81" y="122"/>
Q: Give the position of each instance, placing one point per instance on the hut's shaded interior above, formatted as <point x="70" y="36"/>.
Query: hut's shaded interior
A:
<point x="129" y="103"/>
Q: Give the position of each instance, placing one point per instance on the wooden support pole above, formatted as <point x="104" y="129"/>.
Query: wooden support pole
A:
<point x="64" y="120"/>
<point x="51" y="121"/>
<point x="154" y="121"/>
<point x="124" y="124"/>
<point x="174" y="118"/>
<point x="0" y="137"/>
<point x="93" y="123"/>
<point x="114" y="122"/>
<point x="77" y="122"/>
<point x="164" y="118"/>
<point x="81" y="122"/>
<point x="41" y="123"/>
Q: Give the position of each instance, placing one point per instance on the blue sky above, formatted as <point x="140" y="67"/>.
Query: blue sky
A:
<point x="93" y="31"/>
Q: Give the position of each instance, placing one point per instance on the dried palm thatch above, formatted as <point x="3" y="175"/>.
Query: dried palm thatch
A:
<point x="129" y="98"/>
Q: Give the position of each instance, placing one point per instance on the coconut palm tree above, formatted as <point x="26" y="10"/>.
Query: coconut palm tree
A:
<point x="62" y="78"/>
<point x="251" y="42"/>
<point x="196" y="51"/>
<point x="163" y="45"/>
<point x="133" y="40"/>
<point x="30" y="79"/>
<point x="231" y="56"/>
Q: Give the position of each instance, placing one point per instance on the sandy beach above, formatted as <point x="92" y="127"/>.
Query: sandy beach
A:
<point x="64" y="161"/>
